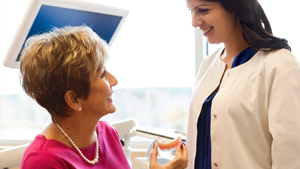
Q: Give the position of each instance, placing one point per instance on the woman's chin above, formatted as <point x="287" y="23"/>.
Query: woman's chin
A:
<point x="111" y="109"/>
<point x="213" y="42"/>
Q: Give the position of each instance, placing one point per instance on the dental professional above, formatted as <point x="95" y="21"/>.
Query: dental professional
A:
<point x="245" y="105"/>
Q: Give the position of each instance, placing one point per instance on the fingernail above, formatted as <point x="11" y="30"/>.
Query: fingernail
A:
<point x="181" y="145"/>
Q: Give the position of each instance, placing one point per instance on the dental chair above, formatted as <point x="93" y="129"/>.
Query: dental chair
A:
<point x="126" y="130"/>
<point x="12" y="156"/>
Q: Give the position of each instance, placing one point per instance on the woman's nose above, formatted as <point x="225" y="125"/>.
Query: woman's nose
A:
<point x="196" y="20"/>
<point x="113" y="81"/>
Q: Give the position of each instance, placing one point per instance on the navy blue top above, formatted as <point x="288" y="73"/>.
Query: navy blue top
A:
<point x="203" y="152"/>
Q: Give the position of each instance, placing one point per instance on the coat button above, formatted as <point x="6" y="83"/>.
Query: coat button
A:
<point x="215" y="116"/>
<point x="216" y="165"/>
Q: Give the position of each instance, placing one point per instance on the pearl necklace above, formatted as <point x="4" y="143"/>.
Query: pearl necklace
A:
<point x="95" y="160"/>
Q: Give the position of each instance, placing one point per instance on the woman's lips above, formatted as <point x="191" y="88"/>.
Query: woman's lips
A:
<point x="206" y="31"/>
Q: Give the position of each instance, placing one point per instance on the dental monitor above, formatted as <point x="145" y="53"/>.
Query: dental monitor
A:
<point x="43" y="15"/>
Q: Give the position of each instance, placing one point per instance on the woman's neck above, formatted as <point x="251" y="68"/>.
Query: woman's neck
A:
<point x="80" y="131"/>
<point x="232" y="50"/>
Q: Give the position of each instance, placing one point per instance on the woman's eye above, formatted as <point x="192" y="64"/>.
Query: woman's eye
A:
<point x="203" y="11"/>
<point x="103" y="74"/>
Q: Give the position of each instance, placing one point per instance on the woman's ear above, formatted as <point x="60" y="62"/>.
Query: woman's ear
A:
<point x="72" y="100"/>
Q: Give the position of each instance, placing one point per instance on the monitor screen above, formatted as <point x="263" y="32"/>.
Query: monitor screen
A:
<point x="43" y="15"/>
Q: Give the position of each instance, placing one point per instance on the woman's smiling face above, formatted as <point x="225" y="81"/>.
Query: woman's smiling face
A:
<point x="99" y="99"/>
<point x="216" y="23"/>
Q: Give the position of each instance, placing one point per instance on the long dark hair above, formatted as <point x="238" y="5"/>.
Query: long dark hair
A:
<point x="256" y="26"/>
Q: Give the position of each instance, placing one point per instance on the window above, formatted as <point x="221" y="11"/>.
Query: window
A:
<point x="282" y="19"/>
<point x="152" y="57"/>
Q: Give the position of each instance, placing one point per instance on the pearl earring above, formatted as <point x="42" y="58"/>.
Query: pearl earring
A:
<point x="79" y="109"/>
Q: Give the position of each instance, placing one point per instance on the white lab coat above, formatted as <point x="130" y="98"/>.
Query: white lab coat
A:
<point x="255" y="116"/>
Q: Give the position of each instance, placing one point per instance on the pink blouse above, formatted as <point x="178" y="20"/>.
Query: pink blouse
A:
<point x="48" y="153"/>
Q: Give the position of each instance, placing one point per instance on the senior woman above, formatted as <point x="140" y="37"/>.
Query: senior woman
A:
<point x="64" y="71"/>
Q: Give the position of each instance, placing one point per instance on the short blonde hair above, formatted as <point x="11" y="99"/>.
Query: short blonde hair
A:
<point x="61" y="60"/>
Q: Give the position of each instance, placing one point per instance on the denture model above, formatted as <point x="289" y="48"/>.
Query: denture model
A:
<point x="168" y="146"/>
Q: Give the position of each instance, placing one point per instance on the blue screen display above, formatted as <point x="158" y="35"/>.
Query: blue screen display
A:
<point x="49" y="16"/>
